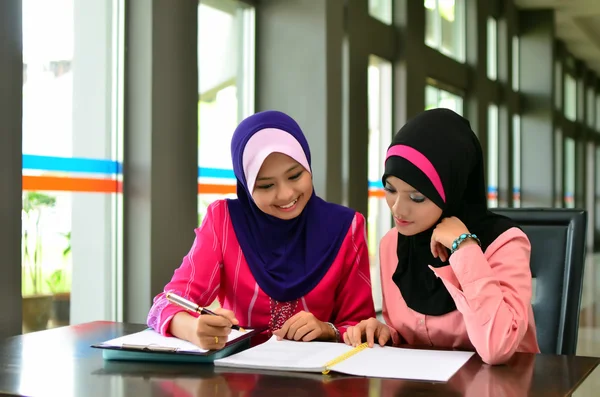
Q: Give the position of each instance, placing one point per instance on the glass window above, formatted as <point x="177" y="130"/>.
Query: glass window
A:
<point x="72" y="156"/>
<point x="492" y="48"/>
<point x="558" y="168"/>
<point x="381" y="10"/>
<point x="492" y="156"/>
<point x="516" y="159"/>
<point x="380" y="136"/>
<point x="558" y="85"/>
<point x="570" y="97"/>
<point x="597" y="192"/>
<point x="591" y="102"/>
<point x="580" y="101"/>
<point x="569" y="197"/>
<point x="515" y="63"/>
<point x="598" y="113"/>
<point x="226" y="92"/>
<point x="438" y="98"/>
<point x="445" y="27"/>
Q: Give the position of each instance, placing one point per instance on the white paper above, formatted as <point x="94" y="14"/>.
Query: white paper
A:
<point x="377" y="362"/>
<point x="151" y="338"/>
<point x="286" y="355"/>
<point x="414" y="364"/>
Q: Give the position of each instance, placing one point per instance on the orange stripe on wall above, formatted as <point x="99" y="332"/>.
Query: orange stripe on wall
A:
<point x="209" y="188"/>
<point x="55" y="183"/>
<point x="97" y="185"/>
<point x="377" y="193"/>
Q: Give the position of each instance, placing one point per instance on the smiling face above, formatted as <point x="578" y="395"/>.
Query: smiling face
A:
<point x="413" y="212"/>
<point x="282" y="187"/>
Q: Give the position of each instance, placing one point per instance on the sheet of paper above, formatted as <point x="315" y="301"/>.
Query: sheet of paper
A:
<point x="378" y="362"/>
<point x="150" y="337"/>
<point x="286" y="355"/>
<point x="415" y="364"/>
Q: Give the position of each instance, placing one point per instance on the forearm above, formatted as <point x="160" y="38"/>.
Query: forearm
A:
<point x="182" y="326"/>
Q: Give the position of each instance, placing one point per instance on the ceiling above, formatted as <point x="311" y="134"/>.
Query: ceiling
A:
<point x="577" y="25"/>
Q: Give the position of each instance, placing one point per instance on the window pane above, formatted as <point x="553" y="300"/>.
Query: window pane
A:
<point x="445" y="27"/>
<point x="432" y="27"/>
<point x="438" y="98"/>
<point x="580" y="100"/>
<point x="570" y="97"/>
<point x="380" y="136"/>
<point x="569" y="199"/>
<point x="382" y="10"/>
<point x="516" y="157"/>
<point x="492" y="49"/>
<point x="558" y="168"/>
<point x="591" y="101"/>
<point x="226" y="91"/>
<point x="515" y="63"/>
<point x="598" y="113"/>
<point x="493" y="151"/>
<point x="72" y="153"/>
<point x="558" y="85"/>
<point x="597" y="192"/>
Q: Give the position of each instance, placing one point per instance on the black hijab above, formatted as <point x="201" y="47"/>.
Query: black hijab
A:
<point x="438" y="154"/>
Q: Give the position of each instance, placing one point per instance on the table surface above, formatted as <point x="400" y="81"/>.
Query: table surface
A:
<point x="60" y="362"/>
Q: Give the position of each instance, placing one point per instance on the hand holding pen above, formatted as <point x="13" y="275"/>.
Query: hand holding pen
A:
<point x="209" y="331"/>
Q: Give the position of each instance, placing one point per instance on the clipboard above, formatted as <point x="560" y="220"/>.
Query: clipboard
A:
<point x="158" y="353"/>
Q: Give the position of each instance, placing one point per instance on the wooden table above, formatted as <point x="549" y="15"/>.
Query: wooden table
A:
<point x="60" y="362"/>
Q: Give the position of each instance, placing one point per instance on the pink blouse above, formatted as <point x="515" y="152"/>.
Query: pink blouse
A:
<point x="215" y="267"/>
<point x="492" y="292"/>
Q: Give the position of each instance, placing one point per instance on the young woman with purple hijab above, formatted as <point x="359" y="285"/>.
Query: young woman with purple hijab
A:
<point x="278" y="256"/>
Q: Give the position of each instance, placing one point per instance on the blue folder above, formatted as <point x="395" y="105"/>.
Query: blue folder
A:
<point x="150" y="353"/>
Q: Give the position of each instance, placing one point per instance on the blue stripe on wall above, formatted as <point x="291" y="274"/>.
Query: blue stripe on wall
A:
<point x="71" y="164"/>
<point x="111" y="167"/>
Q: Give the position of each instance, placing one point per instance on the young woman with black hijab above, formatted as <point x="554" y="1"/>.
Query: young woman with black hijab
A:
<point x="453" y="274"/>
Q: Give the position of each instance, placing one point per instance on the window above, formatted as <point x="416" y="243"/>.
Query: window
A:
<point x="381" y="10"/>
<point x="492" y="48"/>
<point x="516" y="159"/>
<point x="569" y="198"/>
<point x="445" y="27"/>
<point x="558" y="85"/>
<point x="380" y="136"/>
<point x="597" y="192"/>
<point x="598" y="113"/>
<point x="492" y="155"/>
<point x="438" y="98"/>
<point x="591" y="107"/>
<point x="570" y="97"/>
<point x="580" y="101"/>
<point x="72" y="156"/>
<point x="226" y="92"/>
<point x="515" y="63"/>
<point x="558" y="168"/>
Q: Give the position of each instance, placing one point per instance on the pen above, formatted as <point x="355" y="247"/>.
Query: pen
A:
<point x="191" y="306"/>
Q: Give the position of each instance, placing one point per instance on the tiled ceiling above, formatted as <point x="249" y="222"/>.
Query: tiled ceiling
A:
<point x="577" y="25"/>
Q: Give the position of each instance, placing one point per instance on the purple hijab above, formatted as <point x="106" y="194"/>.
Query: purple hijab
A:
<point x="288" y="258"/>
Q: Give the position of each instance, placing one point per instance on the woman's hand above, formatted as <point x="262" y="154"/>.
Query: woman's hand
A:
<point x="369" y="330"/>
<point x="444" y="234"/>
<point x="305" y="326"/>
<point x="206" y="331"/>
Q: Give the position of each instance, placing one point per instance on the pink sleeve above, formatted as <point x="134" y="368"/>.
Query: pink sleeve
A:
<point x="396" y="340"/>
<point x="198" y="278"/>
<point x="354" y="299"/>
<point x="496" y="294"/>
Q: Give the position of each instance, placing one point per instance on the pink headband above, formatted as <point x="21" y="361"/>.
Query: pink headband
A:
<point x="262" y="144"/>
<point x="421" y="162"/>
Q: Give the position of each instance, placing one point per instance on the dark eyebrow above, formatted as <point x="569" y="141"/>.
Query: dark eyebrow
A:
<point x="264" y="178"/>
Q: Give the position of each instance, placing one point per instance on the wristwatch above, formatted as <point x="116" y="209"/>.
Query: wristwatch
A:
<point x="335" y="330"/>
